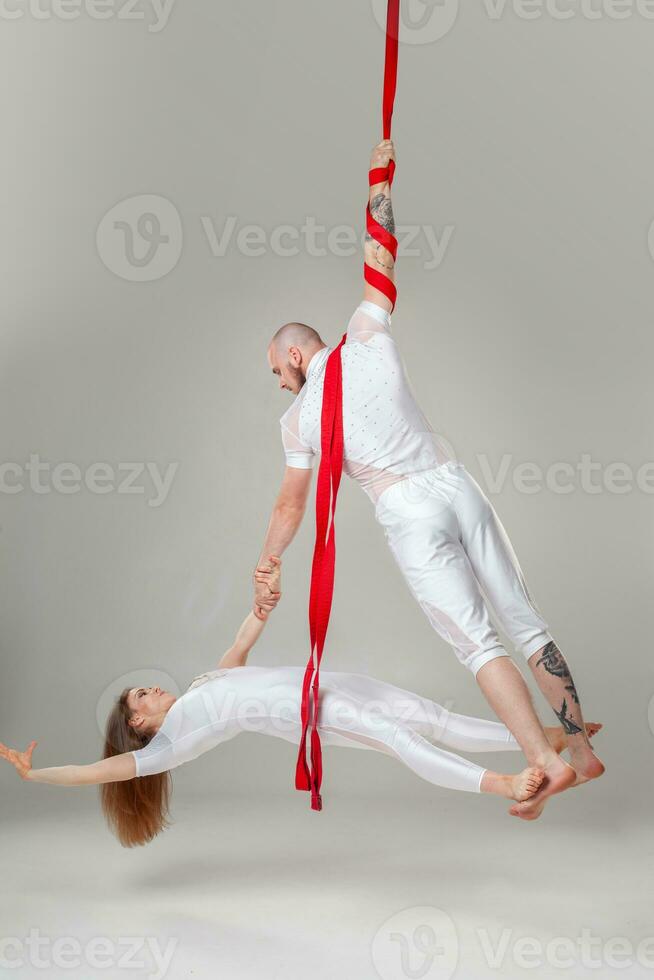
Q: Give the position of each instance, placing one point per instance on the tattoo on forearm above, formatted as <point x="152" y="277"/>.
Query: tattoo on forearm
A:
<point x="381" y="209"/>
<point x="554" y="663"/>
<point x="569" y="726"/>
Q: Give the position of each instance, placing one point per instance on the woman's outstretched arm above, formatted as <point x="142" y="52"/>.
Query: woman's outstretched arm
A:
<point x="251" y="628"/>
<point x="116" y="769"/>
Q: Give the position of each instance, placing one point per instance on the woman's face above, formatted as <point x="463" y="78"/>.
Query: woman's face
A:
<point x="148" y="705"/>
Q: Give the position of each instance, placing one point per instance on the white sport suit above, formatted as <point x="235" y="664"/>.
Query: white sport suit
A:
<point x="443" y="531"/>
<point x="355" y="711"/>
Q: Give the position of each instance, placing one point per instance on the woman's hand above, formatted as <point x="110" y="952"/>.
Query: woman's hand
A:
<point x="22" y="761"/>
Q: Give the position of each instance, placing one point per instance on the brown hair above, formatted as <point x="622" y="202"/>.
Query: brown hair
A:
<point x="135" y="809"/>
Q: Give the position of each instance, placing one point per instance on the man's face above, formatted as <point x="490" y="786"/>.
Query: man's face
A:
<point x="286" y="368"/>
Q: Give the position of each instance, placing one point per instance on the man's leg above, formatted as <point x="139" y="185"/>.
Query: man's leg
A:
<point x="553" y="677"/>
<point x="423" y="532"/>
<point x="498" y="571"/>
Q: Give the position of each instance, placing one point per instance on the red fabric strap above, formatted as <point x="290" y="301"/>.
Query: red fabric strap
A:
<point x="308" y="775"/>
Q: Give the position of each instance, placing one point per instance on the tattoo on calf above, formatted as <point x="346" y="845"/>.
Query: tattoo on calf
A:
<point x="554" y="663"/>
<point x="569" y="726"/>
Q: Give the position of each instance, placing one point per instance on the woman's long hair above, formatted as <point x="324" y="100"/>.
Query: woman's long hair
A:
<point x="135" y="809"/>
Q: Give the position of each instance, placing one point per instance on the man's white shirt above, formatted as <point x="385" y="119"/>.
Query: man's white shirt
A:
<point x="386" y="435"/>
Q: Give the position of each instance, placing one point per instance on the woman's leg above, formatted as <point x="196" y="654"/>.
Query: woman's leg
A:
<point x="452" y="771"/>
<point x="430" y="719"/>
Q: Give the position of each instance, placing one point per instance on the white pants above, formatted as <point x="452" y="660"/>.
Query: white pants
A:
<point x="455" y="554"/>
<point x="359" y="711"/>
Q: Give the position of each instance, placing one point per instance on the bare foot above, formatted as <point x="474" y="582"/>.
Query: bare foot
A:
<point x="586" y="764"/>
<point x="559" y="776"/>
<point x="526" y="783"/>
<point x="520" y="786"/>
<point x="557" y="739"/>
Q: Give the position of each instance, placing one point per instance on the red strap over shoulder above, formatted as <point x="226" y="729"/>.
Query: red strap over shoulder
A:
<point x="308" y="776"/>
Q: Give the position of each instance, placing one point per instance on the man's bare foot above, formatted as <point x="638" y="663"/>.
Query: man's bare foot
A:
<point x="585" y="762"/>
<point x="557" y="737"/>
<point x="559" y="776"/>
<point x="520" y="786"/>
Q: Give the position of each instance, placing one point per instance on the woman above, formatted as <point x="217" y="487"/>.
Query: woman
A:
<point x="150" y="731"/>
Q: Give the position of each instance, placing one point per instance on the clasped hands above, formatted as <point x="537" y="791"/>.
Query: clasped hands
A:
<point x="267" y="586"/>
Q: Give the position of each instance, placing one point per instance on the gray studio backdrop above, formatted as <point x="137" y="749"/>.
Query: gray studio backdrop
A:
<point x="178" y="182"/>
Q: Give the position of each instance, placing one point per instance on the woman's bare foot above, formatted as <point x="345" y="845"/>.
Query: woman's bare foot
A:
<point x="559" y="776"/>
<point x="557" y="738"/>
<point x="526" y="783"/>
<point x="520" y="786"/>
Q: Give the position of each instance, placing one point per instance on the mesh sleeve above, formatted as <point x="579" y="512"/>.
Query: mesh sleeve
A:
<point x="368" y="320"/>
<point x="156" y="756"/>
<point x="298" y="454"/>
<point x="163" y="754"/>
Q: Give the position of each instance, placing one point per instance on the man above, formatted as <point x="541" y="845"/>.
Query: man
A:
<point x="442" y="530"/>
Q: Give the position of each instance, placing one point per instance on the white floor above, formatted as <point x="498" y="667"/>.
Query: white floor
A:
<point x="443" y="885"/>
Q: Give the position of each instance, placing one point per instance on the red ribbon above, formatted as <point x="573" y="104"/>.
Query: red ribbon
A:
<point x="309" y="777"/>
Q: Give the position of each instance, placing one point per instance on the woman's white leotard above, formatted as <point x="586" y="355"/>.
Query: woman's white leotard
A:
<point x="355" y="711"/>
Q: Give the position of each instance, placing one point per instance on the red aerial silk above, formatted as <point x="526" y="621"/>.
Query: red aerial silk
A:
<point x="309" y="777"/>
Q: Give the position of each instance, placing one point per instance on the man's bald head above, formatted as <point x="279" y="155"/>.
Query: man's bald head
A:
<point x="290" y="351"/>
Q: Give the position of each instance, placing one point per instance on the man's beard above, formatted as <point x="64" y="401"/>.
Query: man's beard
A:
<point x="298" y="376"/>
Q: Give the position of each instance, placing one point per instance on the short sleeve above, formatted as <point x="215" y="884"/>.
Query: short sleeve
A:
<point x="368" y="320"/>
<point x="156" y="756"/>
<point x="194" y="724"/>
<point x="298" y="454"/>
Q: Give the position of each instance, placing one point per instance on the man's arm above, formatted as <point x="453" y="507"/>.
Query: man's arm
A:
<point x="285" y="519"/>
<point x="381" y="209"/>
